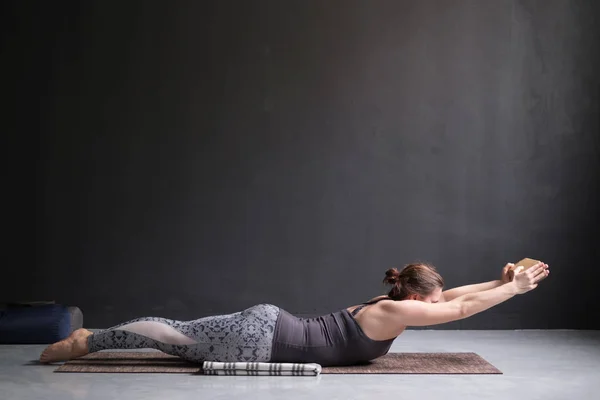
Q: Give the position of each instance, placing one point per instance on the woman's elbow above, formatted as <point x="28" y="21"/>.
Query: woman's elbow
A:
<point x="464" y="311"/>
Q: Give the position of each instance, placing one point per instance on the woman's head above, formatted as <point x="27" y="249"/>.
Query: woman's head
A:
<point x="419" y="281"/>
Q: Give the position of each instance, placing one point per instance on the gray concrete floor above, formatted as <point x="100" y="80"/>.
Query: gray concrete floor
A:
<point x="536" y="365"/>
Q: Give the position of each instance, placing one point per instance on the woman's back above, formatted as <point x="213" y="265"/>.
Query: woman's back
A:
<point x="331" y="339"/>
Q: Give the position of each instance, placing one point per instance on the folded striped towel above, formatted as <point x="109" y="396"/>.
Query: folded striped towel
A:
<point x="260" y="368"/>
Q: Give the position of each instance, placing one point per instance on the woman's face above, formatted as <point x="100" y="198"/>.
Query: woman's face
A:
<point x="433" y="297"/>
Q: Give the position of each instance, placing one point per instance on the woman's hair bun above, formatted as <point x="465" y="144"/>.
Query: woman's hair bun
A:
<point x="392" y="276"/>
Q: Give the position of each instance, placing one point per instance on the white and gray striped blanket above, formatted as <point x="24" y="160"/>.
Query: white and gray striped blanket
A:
<point x="260" y="368"/>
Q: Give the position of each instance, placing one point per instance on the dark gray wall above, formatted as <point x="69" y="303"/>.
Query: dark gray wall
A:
<point x="188" y="158"/>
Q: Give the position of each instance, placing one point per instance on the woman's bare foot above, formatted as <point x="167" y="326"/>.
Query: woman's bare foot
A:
<point x="72" y="347"/>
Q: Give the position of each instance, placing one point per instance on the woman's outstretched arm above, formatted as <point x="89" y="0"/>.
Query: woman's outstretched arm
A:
<point x="418" y="313"/>
<point x="451" y="294"/>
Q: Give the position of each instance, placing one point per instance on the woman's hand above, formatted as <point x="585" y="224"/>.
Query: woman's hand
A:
<point x="507" y="273"/>
<point x="524" y="281"/>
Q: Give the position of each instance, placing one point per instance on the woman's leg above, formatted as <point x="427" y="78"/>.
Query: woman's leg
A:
<point x="141" y="333"/>
<point x="241" y="336"/>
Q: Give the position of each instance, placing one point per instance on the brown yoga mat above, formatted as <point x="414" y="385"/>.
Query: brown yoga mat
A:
<point x="392" y="363"/>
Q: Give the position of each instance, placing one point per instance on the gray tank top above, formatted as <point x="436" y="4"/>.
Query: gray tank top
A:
<point x="332" y="339"/>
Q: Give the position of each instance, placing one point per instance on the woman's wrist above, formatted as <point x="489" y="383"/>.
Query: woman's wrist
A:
<point x="511" y="287"/>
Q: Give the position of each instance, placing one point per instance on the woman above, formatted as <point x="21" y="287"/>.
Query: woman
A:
<point x="266" y="333"/>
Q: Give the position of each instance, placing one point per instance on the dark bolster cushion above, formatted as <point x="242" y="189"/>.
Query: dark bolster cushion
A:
<point x="37" y="325"/>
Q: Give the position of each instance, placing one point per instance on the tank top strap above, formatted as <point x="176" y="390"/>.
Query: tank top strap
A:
<point x="368" y="303"/>
<point x="357" y="309"/>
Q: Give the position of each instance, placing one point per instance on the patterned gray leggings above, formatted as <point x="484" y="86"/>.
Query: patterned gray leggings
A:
<point x="242" y="336"/>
